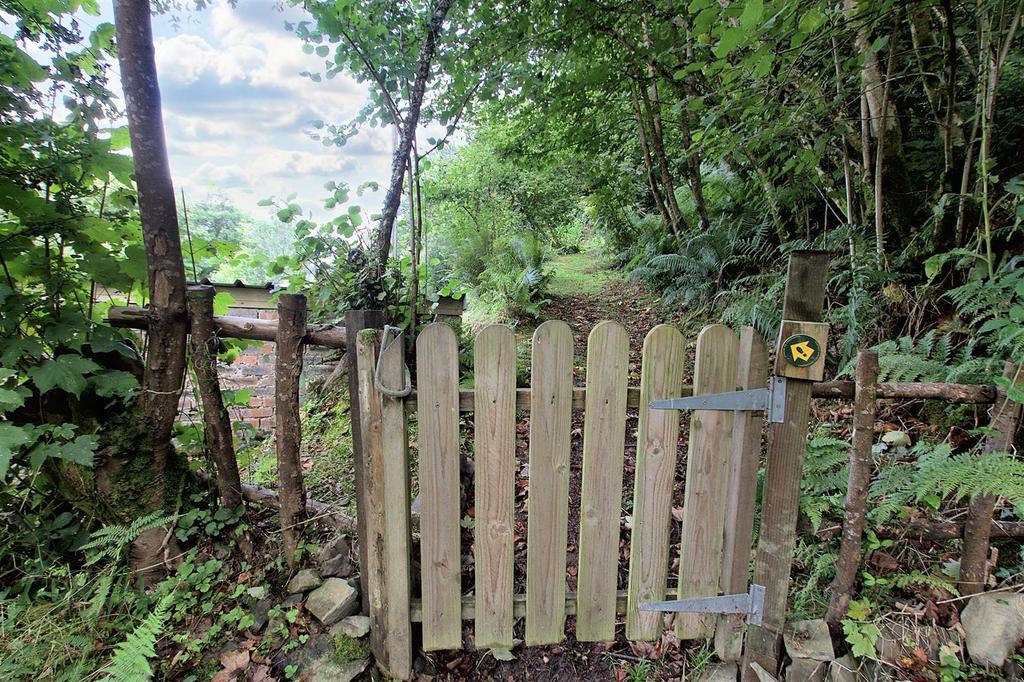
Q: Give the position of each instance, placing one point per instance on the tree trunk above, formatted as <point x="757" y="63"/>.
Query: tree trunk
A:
<point x="291" y="327"/>
<point x="393" y="198"/>
<point x="645" y="149"/>
<point x="168" y="323"/>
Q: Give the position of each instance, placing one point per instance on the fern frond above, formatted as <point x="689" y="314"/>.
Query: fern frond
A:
<point x="110" y="541"/>
<point x="130" y="662"/>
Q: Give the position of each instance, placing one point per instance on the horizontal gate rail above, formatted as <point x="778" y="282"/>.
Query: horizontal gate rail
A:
<point x="519" y="605"/>
<point x="957" y="394"/>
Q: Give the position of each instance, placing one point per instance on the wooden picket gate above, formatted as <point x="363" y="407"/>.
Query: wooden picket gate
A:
<point x="722" y="463"/>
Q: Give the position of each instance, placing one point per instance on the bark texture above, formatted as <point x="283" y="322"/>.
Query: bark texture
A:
<point x="168" y="321"/>
<point x="978" y="526"/>
<point x="857" y="491"/>
<point x="219" y="441"/>
<point x="291" y="326"/>
<point x="393" y="198"/>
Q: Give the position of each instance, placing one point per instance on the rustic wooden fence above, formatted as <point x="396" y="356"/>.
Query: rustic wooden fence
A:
<point x="723" y="457"/>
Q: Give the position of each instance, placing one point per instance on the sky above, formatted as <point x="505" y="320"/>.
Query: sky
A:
<point x="237" y="112"/>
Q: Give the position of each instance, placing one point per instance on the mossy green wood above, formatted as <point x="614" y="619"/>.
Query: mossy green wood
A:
<point x="657" y="435"/>
<point x="494" y="370"/>
<point x="604" y="433"/>
<point x="548" y="505"/>
<point x="707" y="479"/>
<point x="437" y="379"/>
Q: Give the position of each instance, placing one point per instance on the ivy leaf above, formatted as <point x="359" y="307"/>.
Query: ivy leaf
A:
<point x="66" y="371"/>
<point x="503" y="654"/>
<point x="11" y="438"/>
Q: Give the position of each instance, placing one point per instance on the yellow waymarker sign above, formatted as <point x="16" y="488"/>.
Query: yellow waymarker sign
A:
<point x="801" y="350"/>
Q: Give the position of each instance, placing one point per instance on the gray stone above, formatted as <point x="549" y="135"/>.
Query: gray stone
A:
<point x="327" y="670"/>
<point x="332" y="601"/>
<point x="807" y="670"/>
<point x="291" y="601"/>
<point x="260" y="611"/>
<point x="843" y="669"/>
<point x="723" y="672"/>
<point x="305" y="580"/>
<point x="353" y="626"/>
<point x="335" y="558"/>
<point x="993" y="627"/>
<point x="899" y="639"/>
<point x="808" y="639"/>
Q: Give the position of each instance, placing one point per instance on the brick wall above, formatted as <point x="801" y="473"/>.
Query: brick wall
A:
<point x="253" y="370"/>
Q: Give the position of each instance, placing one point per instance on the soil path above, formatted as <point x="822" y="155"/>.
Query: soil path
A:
<point x="582" y="293"/>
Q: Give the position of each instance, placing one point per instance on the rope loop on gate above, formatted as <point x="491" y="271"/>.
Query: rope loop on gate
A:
<point x="391" y="335"/>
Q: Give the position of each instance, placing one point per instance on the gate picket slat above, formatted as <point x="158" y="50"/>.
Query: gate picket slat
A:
<point x="494" y="481"/>
<point x="604" y="433"/>
<point x="752" y="373"/>
<point x="437" y="376"/>
<point x="548" y="503"/>
<point x="657" y="432"/>
<point x="707" y="478"/>
<point x="385" y="477"/>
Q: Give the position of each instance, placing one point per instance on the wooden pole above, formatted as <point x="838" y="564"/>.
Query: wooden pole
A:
<point x="291" y="314"/>
<point x="857" y="490"/>
<point x="978" y="526"/>
<point x="328" y="335"/>
<point x="217" y="424"/>
<point x="355" y="322"/>
<point x="804" y="300"/>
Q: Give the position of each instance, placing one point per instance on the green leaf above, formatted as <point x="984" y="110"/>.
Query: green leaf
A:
<point x="80" y="451"/>
<point x="11" y="438"/>
<point x="119" y="138"/>
<point x="221" y="302"/>
<point x="503" y="654"/>
<point x="113" y="382"/>
<point x="752" y="13"/>
<point x="811" y="20"/>
<point x="322" y="50"/>
<point x="12" y="398"/>
<point x="730" y="39"/>
<point x="66" y="371"/>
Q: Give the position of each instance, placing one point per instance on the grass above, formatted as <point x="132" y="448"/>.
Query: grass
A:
<point x="576" y="274"/>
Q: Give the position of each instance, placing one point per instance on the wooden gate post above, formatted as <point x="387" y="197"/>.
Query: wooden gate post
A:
<point x="385" y="576"/>
<point x="355" y="322"/>
<point x="804" y="299"/>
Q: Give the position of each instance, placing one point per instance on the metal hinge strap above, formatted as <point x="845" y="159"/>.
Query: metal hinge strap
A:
<point x="771" y="399"/>
<point x="751" y="604"/>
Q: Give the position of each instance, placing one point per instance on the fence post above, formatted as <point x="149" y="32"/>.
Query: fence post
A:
<point x="804" y="299"/>
<point x="291" y="328"/>
<point x="385" y="577"/>
<point x="215" y="415"/>
<point x="978" y="526"/>
<point x="355" y="322"/>
<point x="856" y="507"/>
